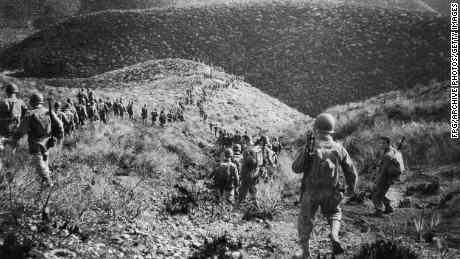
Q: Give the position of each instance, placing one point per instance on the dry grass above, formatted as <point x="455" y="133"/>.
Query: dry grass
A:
<point x="420" y="115"/>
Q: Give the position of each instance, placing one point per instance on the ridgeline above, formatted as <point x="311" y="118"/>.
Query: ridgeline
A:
<point x="310" y="56"/>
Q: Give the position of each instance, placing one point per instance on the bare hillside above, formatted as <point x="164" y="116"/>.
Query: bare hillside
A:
<point x="290" y="51"/>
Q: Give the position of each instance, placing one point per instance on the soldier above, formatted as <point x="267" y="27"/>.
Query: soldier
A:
<point x="215" y="130"/>
<point x="12" y="110"/>
<point x="162" y="118"/>
<point x="81" y="111"/>
<point x="66" y="121"/>
<point x="130" y="110"/>
<point x="237" y="139"/>
<point x="121" y="108"/>
<point x="144" y="114"/>
<point x="237" y="156"/>
<point x="42" y="127"/>
<point x="103" y="111"/>
<point x="154" y="116"/>
<point x="90" y="95"/>
<point x="268" y="154"/>
<point x="170" y="117"/>
<point x="323" y="184"/>
<point x="82" y="97"/>
<point x="250" y="172"/>
<point x="93" y="113"/>
<point x="71" y="118"/>
<point x="226" y="177"/>
<point x="391" y="167"/>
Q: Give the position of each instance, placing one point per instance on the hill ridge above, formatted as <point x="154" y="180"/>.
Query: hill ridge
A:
<point x="286" y="50"/>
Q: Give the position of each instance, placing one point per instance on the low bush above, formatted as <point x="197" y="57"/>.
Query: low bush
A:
<point x="385" y="249"/>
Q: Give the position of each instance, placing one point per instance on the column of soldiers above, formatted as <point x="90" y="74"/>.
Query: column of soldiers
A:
<point x="243" y="164"/>
<point x="328" y="173"/>
<point x="322" y="161"/>
<point x="46" y="127"/>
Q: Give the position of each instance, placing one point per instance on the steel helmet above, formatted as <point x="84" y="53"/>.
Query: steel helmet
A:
<point x="36" y="98"/>
<point x="237" y="148"/>
<point x="228" y="153"/>
<point x="11" y="88"/>
<point x="325" y="123"/>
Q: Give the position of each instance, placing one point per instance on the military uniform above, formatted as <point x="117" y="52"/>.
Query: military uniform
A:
<point x="39" y="125"/>
<point x="154" y="116"/>
<point x="326" y="196"/>
<point x="12" y="110"/>
<point x="323" y="182"/>
<point x="250" y="172"/>
<point x="226" y="178"/>
<point x="391" y="167"/>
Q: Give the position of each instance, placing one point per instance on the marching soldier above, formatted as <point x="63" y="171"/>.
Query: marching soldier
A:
<point x="12" y="110"/>
<point x="42" y="127"/>
<point x="322" y="181"/>
<point x="154" y="116"/>
<point x="391" y="167"/>
<point x="226" y="177"/>
<point x="144" y="114"/>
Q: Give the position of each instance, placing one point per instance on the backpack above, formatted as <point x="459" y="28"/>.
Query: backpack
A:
<point x="15" y="110"/>
<point x="323" y="173"/>
<point x="253" y="157"/>
<point x="11" y="111"/>
<point x="40" y="124"/>
<point x="223" y="177"/>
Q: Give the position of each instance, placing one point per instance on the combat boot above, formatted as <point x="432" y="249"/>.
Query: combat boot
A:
<point x="336" y="244"/>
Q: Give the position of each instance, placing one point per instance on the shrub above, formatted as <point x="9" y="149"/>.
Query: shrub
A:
<point x="268" y="201"/>
<point x="218" y="246"/>
<point x="385" y="249"/>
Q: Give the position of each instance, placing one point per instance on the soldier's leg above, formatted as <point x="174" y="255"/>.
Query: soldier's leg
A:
<point x="253" y="191"/>
<point x="308" y="209"/>
<point x="40" y="163"/>
<point x="330" y="207"/>
<point x="378" y="196"/>
<point x="244" y="188"/>
<point x="386" y="201"/>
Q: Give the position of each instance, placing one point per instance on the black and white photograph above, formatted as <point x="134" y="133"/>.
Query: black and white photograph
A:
<point x="229" y="129"/>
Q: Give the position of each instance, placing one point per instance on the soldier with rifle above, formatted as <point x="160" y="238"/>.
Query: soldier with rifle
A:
<point x="322" y="182"/>
<point x="43" y="128"/>
<point x="390" y="169"/>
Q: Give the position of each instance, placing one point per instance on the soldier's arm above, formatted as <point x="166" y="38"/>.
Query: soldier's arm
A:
<point x="237" y="178"/>
<point x="349" y="170"/>
<point x="300" y="161"/>
<point x="23" y="110"/>
<point x="57" y="123"/>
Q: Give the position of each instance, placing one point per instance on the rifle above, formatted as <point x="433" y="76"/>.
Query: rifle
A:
<point x="53" y="138"/>
<point x="309" y="146"/>
<point x="401" y="142"/>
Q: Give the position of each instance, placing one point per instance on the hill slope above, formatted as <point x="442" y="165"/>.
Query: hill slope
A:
<point x="289" y="51"/>
<point x="116" y="181"/>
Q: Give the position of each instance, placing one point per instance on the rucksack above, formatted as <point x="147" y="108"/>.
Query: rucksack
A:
<point x="323" y="173"/>
<point x="223" y="177"/>
<point x="40" y="124"/>
<point x="253" y="157"/>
